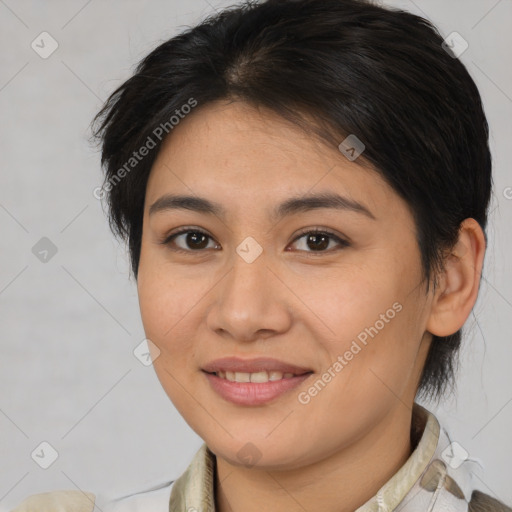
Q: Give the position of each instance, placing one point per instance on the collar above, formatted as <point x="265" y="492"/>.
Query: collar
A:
<point x="436" y="476"/>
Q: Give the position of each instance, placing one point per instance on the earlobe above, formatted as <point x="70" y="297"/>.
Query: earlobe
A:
<point x="458" y="289"/>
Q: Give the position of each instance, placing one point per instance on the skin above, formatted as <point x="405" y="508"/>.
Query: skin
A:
<point x="292" y="303"/>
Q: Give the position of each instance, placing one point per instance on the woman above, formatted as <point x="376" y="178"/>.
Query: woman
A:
<point x="304" y="188"/>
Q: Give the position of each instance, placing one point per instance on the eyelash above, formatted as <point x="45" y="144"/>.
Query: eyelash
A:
<point x="170" y="238"/>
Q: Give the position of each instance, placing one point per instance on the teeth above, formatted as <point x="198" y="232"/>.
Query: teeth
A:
<point x="254" y="377"/>
<point x="259" y="377"/>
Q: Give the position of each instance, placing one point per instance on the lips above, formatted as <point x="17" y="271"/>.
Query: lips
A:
<point x="252" y="382"/>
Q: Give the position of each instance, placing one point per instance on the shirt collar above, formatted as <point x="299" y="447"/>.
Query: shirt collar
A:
<point x="425" y="432"/>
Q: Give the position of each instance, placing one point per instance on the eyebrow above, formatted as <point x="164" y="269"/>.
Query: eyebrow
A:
<point x="289" y="207"/>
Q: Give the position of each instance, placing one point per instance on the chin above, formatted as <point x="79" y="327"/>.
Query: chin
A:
<point x="259" y="453"/>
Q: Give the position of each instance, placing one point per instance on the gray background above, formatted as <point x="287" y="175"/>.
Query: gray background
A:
<point x="68" y="327"/>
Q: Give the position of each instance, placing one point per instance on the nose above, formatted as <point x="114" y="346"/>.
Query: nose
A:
<point x="250" y="302"/>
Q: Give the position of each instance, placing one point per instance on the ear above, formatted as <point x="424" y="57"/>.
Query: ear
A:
<point x="458" y="284"/>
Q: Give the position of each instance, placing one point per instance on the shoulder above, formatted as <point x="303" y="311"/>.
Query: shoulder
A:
<point x="154" y="498"/>
<point x="481" y="502"/>
<point x="58" y="501"/>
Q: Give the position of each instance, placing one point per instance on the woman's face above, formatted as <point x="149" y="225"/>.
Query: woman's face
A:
<point x="343" y="310"/>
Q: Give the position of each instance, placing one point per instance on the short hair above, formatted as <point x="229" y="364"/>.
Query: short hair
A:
<point x="334" y="68"/>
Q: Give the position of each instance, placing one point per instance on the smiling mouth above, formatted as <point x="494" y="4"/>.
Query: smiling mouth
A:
<point x="257" y="377"/>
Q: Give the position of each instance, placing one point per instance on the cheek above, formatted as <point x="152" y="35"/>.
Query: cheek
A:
<point x="383" y="356"/>
<point x="166" y="304"/>
<point x="167" y="309"/>
<point x="371" y="320"/>
<point x="347" y="303"/>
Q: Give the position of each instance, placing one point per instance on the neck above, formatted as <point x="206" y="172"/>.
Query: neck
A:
<point x="341" y="482"/>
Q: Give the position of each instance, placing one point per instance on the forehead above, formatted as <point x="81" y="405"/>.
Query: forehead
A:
<point x="236" y="153"/>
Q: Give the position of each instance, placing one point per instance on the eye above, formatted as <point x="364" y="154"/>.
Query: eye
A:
<point x="195" y="240"/>
<point x="319" y="239"/>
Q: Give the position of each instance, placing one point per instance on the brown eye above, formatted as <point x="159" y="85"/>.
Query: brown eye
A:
<point x="318" y="240"/>
<point x="190" y="240"/>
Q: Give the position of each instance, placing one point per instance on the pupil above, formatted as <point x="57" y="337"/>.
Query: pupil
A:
<point x="315" y="238"/>
<point x="194" y="239"/>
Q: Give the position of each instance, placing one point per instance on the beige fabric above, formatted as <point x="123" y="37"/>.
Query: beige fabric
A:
<point x="58" y="501"/>
<point x="194" y="490"/>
